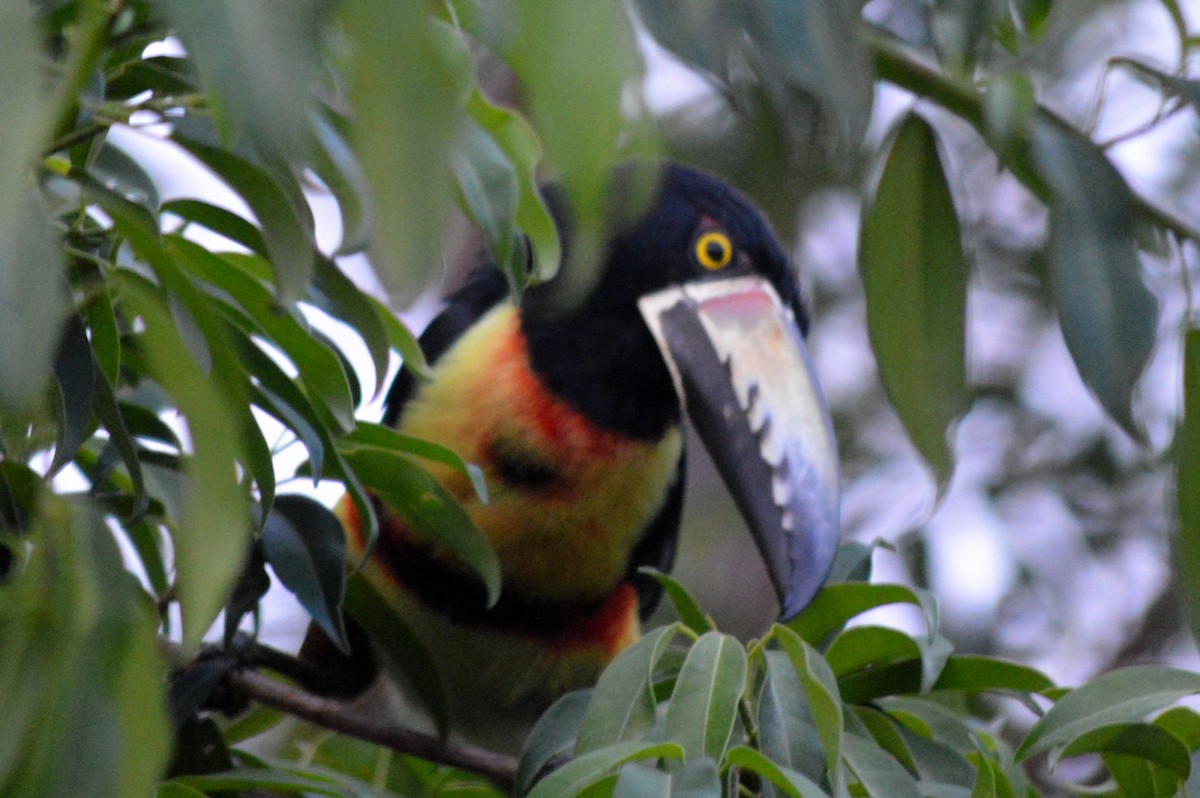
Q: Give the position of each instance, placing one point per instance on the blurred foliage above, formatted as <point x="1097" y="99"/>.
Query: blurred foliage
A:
<point x="146" y="342"/>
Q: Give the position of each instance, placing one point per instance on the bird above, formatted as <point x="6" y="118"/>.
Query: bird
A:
<point x="575" y="414"/>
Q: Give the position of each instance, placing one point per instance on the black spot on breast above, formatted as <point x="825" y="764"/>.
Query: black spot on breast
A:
<point x="520" y="466"/>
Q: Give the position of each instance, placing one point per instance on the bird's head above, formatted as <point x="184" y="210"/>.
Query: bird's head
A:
<point x="717" y="295"/>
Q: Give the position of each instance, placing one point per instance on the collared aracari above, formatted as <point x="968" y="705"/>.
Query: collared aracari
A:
<point x="576" y="421"/>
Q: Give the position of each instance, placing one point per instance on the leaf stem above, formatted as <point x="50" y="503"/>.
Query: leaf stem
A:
<point x="91" y="35"/>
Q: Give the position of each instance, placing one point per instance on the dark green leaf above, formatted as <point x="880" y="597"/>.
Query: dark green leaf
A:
<point x="514" y="135"/>
<point x="75" y="376"/>
<point x="1120" y="696"/>
<point x="219" y="220"/>
<point x="279" y="206"/>
<point x="306" y="547"/>
<point x="868" y="646"/>
<point x="427" y="507"/>
<point x="794" y="784"/>
<point x="487" y="189"/>
<point x="879" y="774"/>
<point x="109" y="414"/>
<point x="704" y="704"/>
<point x="341" y="298"/>
<point x="915" y="276"/>
<point x="552" y="740"/>
<point x="279" y="781"/>
<point x="105" y="334"/>
<point x="403" y="341"/>
<point x="623" y="705"/>
<point x="821" y="689"/>
<point x="369" y="434"/>
<point x="1187" y="483"/>
<point x="247" y="592"/>
<point x="838" y="603"/>
<point x="887" y="734"/>
<point x="1108" y="316"/>
<point x="164" y="74"/>
<point x="586" y="770"/>
<point x="1144" y="740"/>
<point x="121" y="173"/>
<point x="335" y="164"/>
<point x="686" y="608"/>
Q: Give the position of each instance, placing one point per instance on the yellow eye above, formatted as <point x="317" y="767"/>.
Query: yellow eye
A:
<point x="714" y="250"/>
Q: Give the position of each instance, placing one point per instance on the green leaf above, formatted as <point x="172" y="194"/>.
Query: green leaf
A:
<point x="1120" y="696"/>
<point x="405" y="128"/>
<point x="403" y="341"/>
<point x="582" y="772"/>
<point x="121" y="173"/>
<point x="257" y="64"/>
<point x="370" y="434"/>
<point x="1108" y="316"/>
<point x="868" y="646"/>
<point x="214" y="529"/>
<point x="335" y="294"/>
<point x="219" y="220"/>
<point x="1187" y="483"/>
<point x="1184" y="723"/>
<point x="427" y="507"/>
<point x="75" y="378"/>
<point x="637" y="780"/>
<point x="821" y="688"/>
<point x="1143" y="740"/>
<point x="879" y="774"/>
<point x="915" y="275"/>
<point x="279" y="781"/>
<point x="794" y="784"/>
<point x="487" y="189"/>
<point x="787" y="732"/>
<point x="384" y="623"/>
<point x="930" y="719"/>
<point x="553" y="738"/>
<point x="704" y="704"/>
<point x="340" y="171"/>
<point x="279" y="206"/>
<point x="686" y="608"/>
<point x="836" y="604"/>
<point x="515" y="136"/>
<point x="623" y="705"/>
<point x="306" y="547"/>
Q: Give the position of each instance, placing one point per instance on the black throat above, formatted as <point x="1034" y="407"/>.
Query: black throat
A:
<point x="607" y="366"/>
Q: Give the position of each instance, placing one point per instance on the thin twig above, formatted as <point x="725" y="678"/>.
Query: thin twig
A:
<point x="338" y="717"/>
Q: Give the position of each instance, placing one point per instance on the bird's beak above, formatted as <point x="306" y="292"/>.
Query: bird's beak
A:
<point x="741" y="367"/>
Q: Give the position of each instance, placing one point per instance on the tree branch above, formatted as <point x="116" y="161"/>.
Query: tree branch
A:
<point x="336" y="716"/>
<point x="895" y="64"/>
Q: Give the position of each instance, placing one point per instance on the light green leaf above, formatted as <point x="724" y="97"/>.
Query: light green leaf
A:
<point x="370" y="434"/>
<point x="622" y="705"/>
<point x="552" y="738"/>
<point x="837" y="604"/>
<point x="794" y="784"/>
<point x="335" y="163"/>
<point x="704" y="703"/>
<point x="487" y="189"/>
<point x="787" y="732"/>
<point x="1120" y="696"/>
<point x="1108" y="316"/>
<point x="879" y="774"/>
<point x="580" y="773"/>
<point x="821" y="688"/>
<point x="915" y="276"/>
<point x="686" y="608"/>
<point x="1143" y="740"/>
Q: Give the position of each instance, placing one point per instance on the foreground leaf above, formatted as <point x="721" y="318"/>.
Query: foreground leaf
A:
<point x="704" y="703"/>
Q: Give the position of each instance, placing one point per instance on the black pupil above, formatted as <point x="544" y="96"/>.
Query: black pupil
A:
<point x="715" y="251"/>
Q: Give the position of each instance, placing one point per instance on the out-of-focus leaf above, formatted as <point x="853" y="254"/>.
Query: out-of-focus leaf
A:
<point x="370" y="434"/>
<point x="1184" y="723"/>
<point x="79" y="670"/>
<point x="247" y="592"/>
<point x="166" y="74"/>
<point x="637" y="780"/>
<point x="575" y="61"/>
<point x="487" y="189"/>
<point x="852" y="563"/>
<point x="381" y="618"/>
<point x="403" y="341"/>
<point x="109" y="414"/>
<point x="427" y="507"/>
<point x="1120" y="696"/>
<point x="816" y="47"/>
<point x="704" y="703"/>
<point x="105" y="334"/>
<point x="1108" y="316"/>
<point x="1143" y="740"/>
<point x="1187" y="482"/>
<point x="278" y="204"/>
<point x="553" y="738"/>
<point x="623" y="705"/>
<point x="339" y="297"/>
<point x="75" y="375"/>
<point x="879" y="774"/>
<point x="821" y="689"/>
<point x="305" y="545"/>
<point x="686" y="608"/>
<point x="915" y="274"/>
<point x="340" y="171"/>
<point x="173" y="789"/>
<point x="405" y="128"/>
<point x="515" y="136"/>
<point x="256" y="62"/>
<point x="289" y="782"/>
<point x="787" y="732"/>
<point x="32" y="285"/>
<point x="586" y="770"/>
<point x="121" y="173"/>
<point x="792" y="783"/>
<point x="214" y="530"/>
<point x="1009" y="103"/>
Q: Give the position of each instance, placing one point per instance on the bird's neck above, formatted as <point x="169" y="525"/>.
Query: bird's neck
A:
<point x="608" y="368"/>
